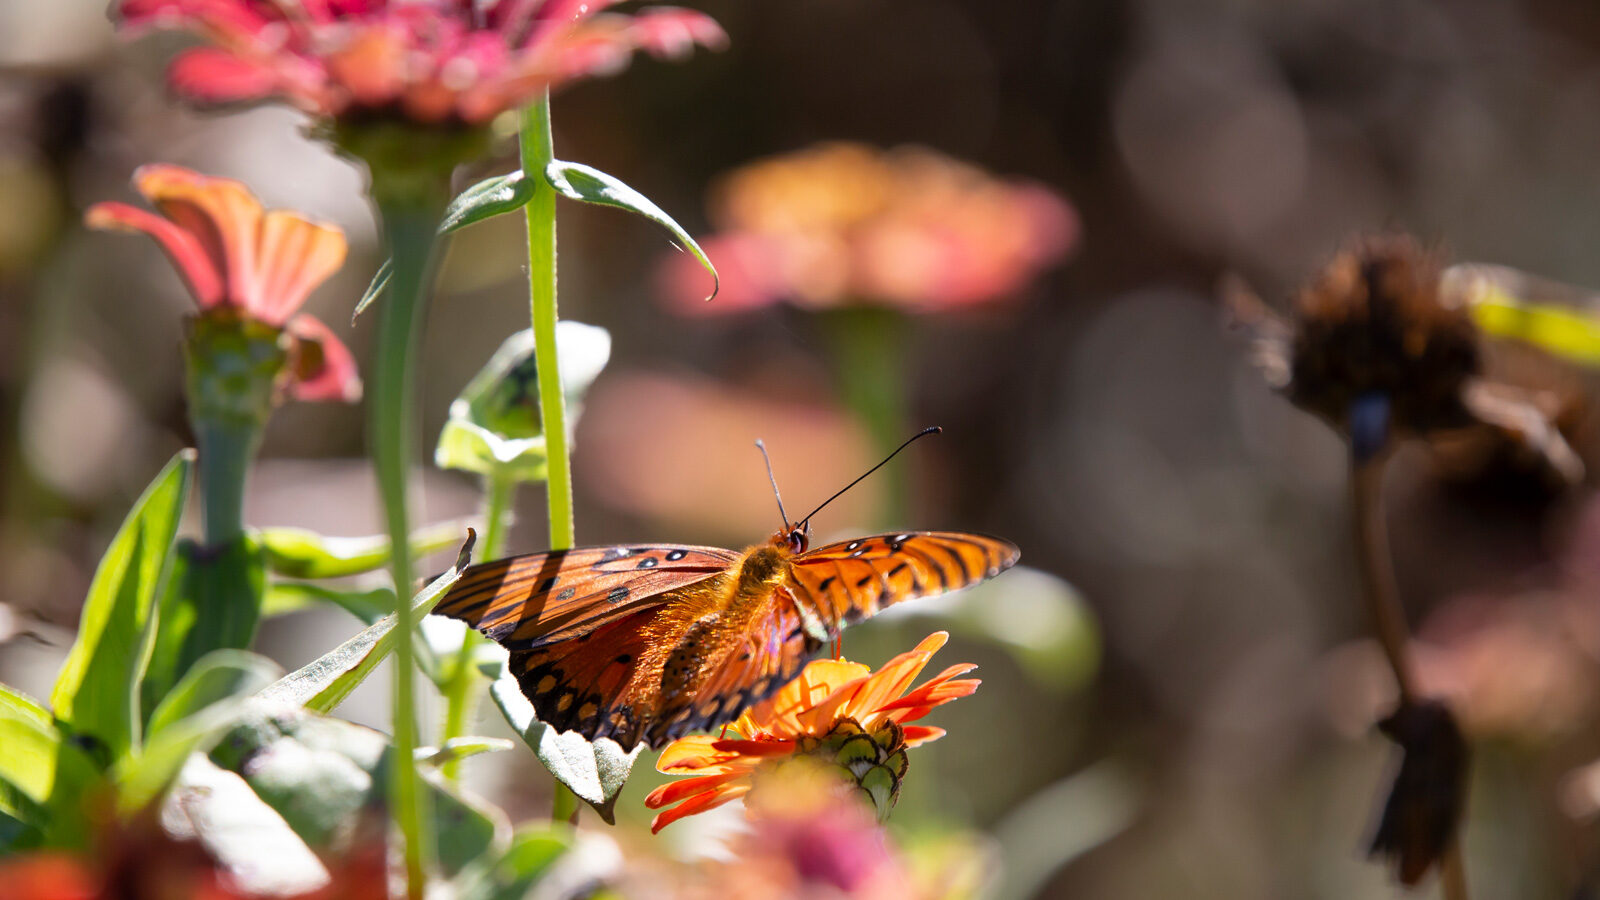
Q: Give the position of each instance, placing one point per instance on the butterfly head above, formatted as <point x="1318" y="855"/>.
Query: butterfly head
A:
<point x="797" y="538"/>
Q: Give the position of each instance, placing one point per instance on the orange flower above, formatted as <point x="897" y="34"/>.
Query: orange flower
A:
<point x="236" y="256"/>
<point x="841" y="224"/>
<point x="837" y="710"/>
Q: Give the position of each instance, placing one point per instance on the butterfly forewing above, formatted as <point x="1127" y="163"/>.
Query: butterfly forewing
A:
<point x="648" y="643"/>
<point x="524" y="602"/>
<point x="852" y="580"/>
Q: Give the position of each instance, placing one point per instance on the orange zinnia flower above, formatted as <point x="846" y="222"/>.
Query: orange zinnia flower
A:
<point x="844" y="224"/>
<point x="237" y="257"/>
<point x="837" y="710"/>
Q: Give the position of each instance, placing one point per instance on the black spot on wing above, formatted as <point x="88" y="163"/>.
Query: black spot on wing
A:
<point x="676" y="555"/>
<point x="566" y="594"/>
<point x="649" y="562"/>
<point x="617" y="595"/>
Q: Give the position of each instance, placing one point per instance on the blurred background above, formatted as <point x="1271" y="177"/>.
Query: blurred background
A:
<point x="1177" y="701"/>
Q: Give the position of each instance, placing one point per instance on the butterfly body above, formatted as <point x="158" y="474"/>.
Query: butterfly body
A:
<point x="647" y="643"/>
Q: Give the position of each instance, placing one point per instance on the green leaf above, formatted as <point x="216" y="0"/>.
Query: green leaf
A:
<point x="472" y="448"/>
<point x="460" y="748"/>
<point x="97" y="691"/>
<point x="219" y="675"/>
<point x="512" y="876"/>
<point x="488" y="198"/>
<point x="292" y="596"/>
<point x="200" y="708"/>
<point x="495" y="428"/>
<point x="300" y="553"/>
<point x="212" y="602"/>
<point x="580" y="182"/>
<point x="323" y="683"/>
<point x="262" y="855"/>
<point x="327" y="778"/>
<point x="594" y="771"/>
<point x="379" y="282"/>
<point x="494" y="196"/>
<point x="465" y="828"/>
<point x="42" y="776"/>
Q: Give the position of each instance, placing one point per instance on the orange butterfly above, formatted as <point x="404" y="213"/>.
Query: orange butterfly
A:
<point x="649" y="642"/>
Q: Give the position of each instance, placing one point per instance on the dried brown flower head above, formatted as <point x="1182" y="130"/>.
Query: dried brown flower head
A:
<point x="1429" y="794"/>
<point x="1375" y="322"/>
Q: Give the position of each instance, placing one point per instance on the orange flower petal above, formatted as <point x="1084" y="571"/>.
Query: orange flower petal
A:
<point x="921" y="734"/>
<point x="220" y="212"/>
<point x="188" y="254"/>
<point x="786" y="713"/>
<point x="295" y="255"/>
<point x="668" y="794"/>
<point x="697" y="805"/>
<point x="861" y="700"/>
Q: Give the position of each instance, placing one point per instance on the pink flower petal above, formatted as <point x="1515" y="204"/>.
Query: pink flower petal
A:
<point x="210" y="75"/>
<point x="189" y="256"/>
<point x="338" y="378"/>
<point x="220" y="212"/>
<point x="294" y="256"/>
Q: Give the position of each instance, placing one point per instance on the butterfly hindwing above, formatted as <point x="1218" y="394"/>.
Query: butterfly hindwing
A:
<point x="760" y="656"/>
<point x="852" y="580"/>
<point x="651" y="676"/>
<point x="524" y="602"/>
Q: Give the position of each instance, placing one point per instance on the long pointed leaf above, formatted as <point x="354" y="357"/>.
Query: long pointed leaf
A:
<point x="323" y="683"/>
<point x="300" y="553"/>
<point x="42" y="776"/>
<point x="97" y="691"/>
<point x="576" y="181"/>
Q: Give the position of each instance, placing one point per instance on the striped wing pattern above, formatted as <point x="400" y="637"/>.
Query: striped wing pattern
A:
<point x="851" y="580"/>
<point x="526" y="602"/>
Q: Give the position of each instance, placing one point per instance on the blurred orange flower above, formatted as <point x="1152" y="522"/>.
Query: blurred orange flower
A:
<point x="234" y="255"/>
<point x="843" y="223"/>
<point x="835" y="711"/>
<point x="431" y="61"/>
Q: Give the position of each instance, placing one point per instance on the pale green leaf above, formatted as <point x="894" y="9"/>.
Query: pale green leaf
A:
<point x="594" y="771"/>
<point x="98" y="690"/>
<point x="590" y="185"/>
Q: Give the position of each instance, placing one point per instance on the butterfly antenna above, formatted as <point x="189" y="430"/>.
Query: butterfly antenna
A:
<point x="931" y="429"/>
<point x="774" y="479"/>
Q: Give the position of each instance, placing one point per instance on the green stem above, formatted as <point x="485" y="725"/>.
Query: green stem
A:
<point x="537" y="153"/>
<point x="870" y="356"/>
<point x="461" y="692"/>
<point x="538" y="150"/>
<point x="226" y="451"/>
<point x="410" y="229"/>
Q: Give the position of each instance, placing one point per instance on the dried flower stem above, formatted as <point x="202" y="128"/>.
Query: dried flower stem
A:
<point x="1389" y="618"/>
<point x="1377" y="572"/>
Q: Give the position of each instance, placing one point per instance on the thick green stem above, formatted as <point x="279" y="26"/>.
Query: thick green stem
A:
<point x="538" y="150"/>
<point x="226" y="451"/>
<point x="537" y="153"/>
<point x="462" y="691"/>
<point x="409" y="229"/>
<point x="869" y="345"/>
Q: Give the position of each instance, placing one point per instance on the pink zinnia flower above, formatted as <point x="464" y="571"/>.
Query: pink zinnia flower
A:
<point x="425" y="60"/>
<point x="234" y="254"/>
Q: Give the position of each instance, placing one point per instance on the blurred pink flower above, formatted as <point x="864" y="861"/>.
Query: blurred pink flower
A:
<point x="842" y="224"/>
<point x="427" y="60"/>
<point x="235" y="255"/>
